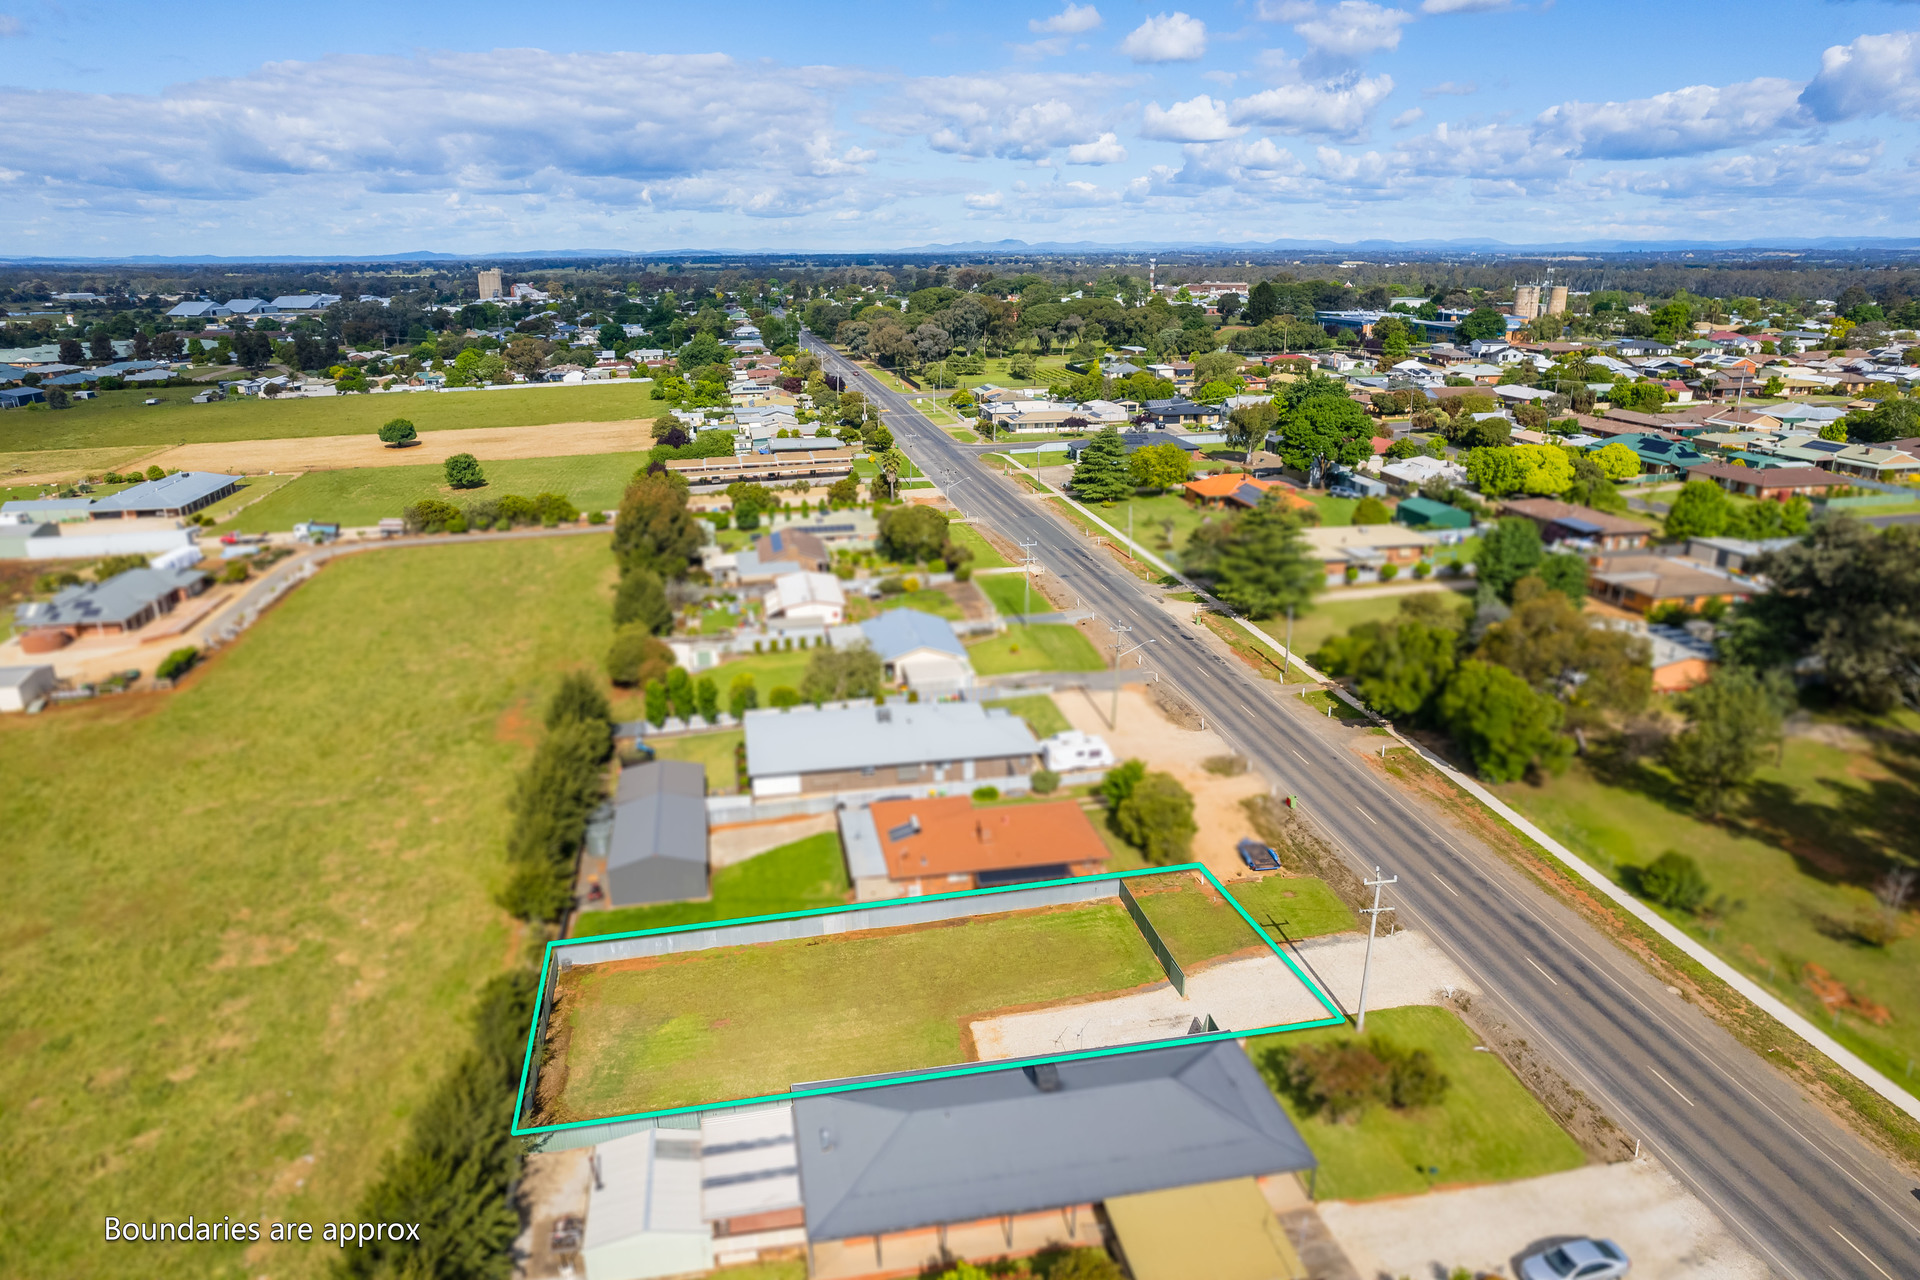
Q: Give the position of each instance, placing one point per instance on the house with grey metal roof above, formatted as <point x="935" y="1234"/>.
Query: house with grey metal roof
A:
<point x="899" y="747"/>
<point x="1030" y="1151"/>
<point x="658" y="848"/>
<point x="920" y="650"/>
<point x="125" y="602"/>
<point x="180" y="494"/>
<point x="198" y="309"/>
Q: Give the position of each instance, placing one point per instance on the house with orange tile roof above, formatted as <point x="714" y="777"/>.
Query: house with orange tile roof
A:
<point x="943" y="844"/>
<point x="1232" y="490"/>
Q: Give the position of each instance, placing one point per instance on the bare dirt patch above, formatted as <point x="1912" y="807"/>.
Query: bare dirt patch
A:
<point x="332" y="453"/>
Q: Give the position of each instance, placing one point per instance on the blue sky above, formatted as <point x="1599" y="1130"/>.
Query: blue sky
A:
<point x="357" y="128"/>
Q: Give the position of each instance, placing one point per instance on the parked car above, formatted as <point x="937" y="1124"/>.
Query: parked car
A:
<point x="1258" y="857"/>
<point x="1576" y="1260"/>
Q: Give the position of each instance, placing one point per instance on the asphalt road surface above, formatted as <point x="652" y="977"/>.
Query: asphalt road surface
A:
<point x="1799" y="1189"/>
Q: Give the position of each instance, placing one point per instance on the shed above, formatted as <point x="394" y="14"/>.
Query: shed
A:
<point x="658" y="849"/>
<point x="21" y="687"/>
<point x="1425" y="513"/>
<point x="1225" y="1230"/>
<point x="20" y="397"/>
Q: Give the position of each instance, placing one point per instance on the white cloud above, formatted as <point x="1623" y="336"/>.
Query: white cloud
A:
<point x="1285" y="10"/>
<point x="1451" y="89"/>
<point x="1353" y="28"/>
<point x="1167" y="37"/>
<point x="1200" y="119"/>
<point x="1872" y="76"/>
<point x="1683" y="122"/>
<point x="1464" y="6"/>
<point x="11" y="26"/>
<point x="1017" y="116"/>
<point x="982" y="200"/>
<point x="1261" y="166"/>
<point x="1339" y="109"/>
<point x="1070" y="21"/>
<point x="1105" y="149"/>
<point x="1412" y="115"/>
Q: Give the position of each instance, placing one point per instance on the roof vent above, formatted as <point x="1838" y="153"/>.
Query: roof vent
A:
<point x="827" y="1140"/>
<point x="883" y="714"/>
<point x="1045" y="1077"/>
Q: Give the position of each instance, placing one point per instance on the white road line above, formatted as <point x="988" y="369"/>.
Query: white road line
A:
<point x="1542" y="972"/>
<point x="1444" y="885"/>
<point x="1363" y="813"/>
<point x="1857" y="1249"/>
<point x="1663" y="1080"/>
<point x="1303" y="759"/>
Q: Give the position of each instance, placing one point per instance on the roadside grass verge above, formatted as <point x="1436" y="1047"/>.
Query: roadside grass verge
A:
<point x="1487" y="1128"/>
<point x="119" y="418"/>
<point x="1293" y="907"/>
<point x="366" y="495"/>
<point x="800" y="876"/>
<point x="1009" y="594"/>
<point x="277" y="882"/>
<point x="984" y="556"/>
<point x="1047" y="647"/>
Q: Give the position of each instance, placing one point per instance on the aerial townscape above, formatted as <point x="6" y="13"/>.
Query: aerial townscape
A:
<point x="1317" y="682"/>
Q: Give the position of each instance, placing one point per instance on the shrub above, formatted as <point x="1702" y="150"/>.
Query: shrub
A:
<point x="1342" y="1078"/>
<point x="642" y="598"/>
<point x="1045" y="782"/>
<point x="986" y="793"/>
<point x="463" y="472"/>
<point x="706" y="698"/>
<point x="236" y="571"/>
<point x="1389" y="571"/>
<point x="1353" y="573"/>
<point x="177" y="663"/>
<point x="429" y="515"/>
<point x="398" y="431"/>
<point x="596" y="517"/>
<point x="656" y="702"/>
<point x="1422" y="570"/>
<point x="457" y="525"/>
<point x="1120" y="782"/>
<point x="742" y="696"/>
<point x="1371" y="511"/>
<point x="784" y="696"/>
<point x="578" y="698"/>
<point x="1157" y="818"/>
<point x="636" y="656"/>
<point x="1674" y="881"/>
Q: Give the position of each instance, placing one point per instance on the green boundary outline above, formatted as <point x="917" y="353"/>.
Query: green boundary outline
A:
<point x="1334" y="1016"/>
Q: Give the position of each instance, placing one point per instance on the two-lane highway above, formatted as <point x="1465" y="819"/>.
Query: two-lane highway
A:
<point x="1806" y="1195"/>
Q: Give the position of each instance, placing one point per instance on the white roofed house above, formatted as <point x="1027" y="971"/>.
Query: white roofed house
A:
<point x="807" y="597"/>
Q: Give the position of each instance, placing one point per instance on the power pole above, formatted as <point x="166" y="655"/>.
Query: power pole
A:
<point x="1026" y="598"/>
<point x="1373" y="921"/>
<point x="1289" y="637"/>
<point x="1113" y="720"/>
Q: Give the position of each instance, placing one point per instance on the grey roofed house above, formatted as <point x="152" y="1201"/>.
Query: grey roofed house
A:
<point x="802" y="740"/>
<point x="20" y="397"/>
<point x="127" y="600"/>
<point x="907" y="1156"/>
<point x="658" y="849"/>
<point x="898" y="632"/>
<point x="197" y="309"/>
<point x="179" y="494"/>
<point x="36" y="510"/>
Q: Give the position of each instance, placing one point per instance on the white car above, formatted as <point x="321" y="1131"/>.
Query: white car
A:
<point x="1576" y="1260"/>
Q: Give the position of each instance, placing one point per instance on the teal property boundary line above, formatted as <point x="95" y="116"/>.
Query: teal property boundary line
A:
<point x="1333" y="1015"/>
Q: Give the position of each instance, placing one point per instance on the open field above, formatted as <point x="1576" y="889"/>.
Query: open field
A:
<point x="1790" y="869"/>
<point x="364" y="495"/>
<point x="331" y="453"/>
<point x="1488" y="1128"/>
<point x="245" y="921"/>
<point x="1046" y="647"/>
<point x="119" y="418"/>
<point x="800" y="876"/>
<point x="745" y="1021"/>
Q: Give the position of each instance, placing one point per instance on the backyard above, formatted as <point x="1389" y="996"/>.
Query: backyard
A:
<point x="1487" y="1128"/>
<point x="746" y="1021"/>
<point x="264" y="901"/>
<point x="1790" y="870"/>
<point x="365" y="495"/>
<point x="800" y="876"/>
<point x="712" y="751"/>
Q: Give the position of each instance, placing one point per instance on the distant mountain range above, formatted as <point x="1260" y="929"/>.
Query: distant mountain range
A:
<point x="1005" y="247"/>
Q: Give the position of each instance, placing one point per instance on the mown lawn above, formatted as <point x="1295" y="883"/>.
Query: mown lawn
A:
<point x="117" y="418"/>
<point x="1488" y="1128"/>
<point x="984" y="556"/>
<point x="1289" y="907"/>
<point x="1197" y="926"/>
<point x="926" y="600"/>
<point x="366" y="495"/>
<point x="245" y="921"/>
<point x="1010" y="593"/>
<point x="712" y="751"/>
<point x="1333" y="616"/>
<point x="1039" y="711"/>
<point x="1790" y="870"/>
<point x="769" y="671"/>
<point x="1048" y="647"/>
<point x="800" y="876"/>
<point x="744" y="1021"/>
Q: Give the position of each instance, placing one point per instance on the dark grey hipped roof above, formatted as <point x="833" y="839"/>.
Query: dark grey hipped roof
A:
<point x="119" y="598"/>
<point x="659" y="811"/>
<point x="917" y="1155"/>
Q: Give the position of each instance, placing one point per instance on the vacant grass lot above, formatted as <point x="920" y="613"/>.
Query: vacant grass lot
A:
<point x="800" y="876"/>
<point x="1198" y="927"/>
<point x="119" y="418"/>
<point x="1487" y="1129"/>
<point x="1289" y="907"/>
<point x="365" y="495"/>
<point x="1334" y="616"/>
<point x="1790" y="870"/>
<point x="245" y="921"/>
<point x="746" y="1021"/>
<point x="1048" y="647"/>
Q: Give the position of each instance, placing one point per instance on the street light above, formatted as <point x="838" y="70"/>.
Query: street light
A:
<point x="1113" y="720"/>
<point x="1373" y="921"/>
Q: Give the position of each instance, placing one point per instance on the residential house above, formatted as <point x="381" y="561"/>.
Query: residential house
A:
<point x="1735" y="555"/>
<point x="1660" y="456"/>
<point x="818" y="467"/>
<point x="1870" y="462"/>
<point x="1631" y="347"/>
<point x="1367" y="549"/>
<point x="1131" y="440"/>
<point x="807" y="597"/>
<point x="1179" y="413"/>
<point x="1641" y="582"/>
<point x="657" y="850"/>
<point x="1582" y="526"/>
<point x="124" y="602"/>
<point x="946" y="844"/>
<point x="1680" y="659"/>
<point x="21" y="397"/>
<point x="1421" y="470"/>
<point x="1778" y="483"/>
<point x="920" y="651"/>
<point x="1232" y="491"/>
<point x="794" y="547"/>
<point x="1428" y="515"/>
<point x="854" y="748"/>
<point x="904" y="1179"/>
<point x="180" y="494"/>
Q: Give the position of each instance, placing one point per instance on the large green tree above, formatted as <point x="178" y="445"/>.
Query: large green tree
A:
<point x="1398" y="666"/>
<point x="654" y="529"/>
<point x="834" y="675"/>
<point x="1102" y="474"/>
<point x="1733" y="720"/>
<point x="1500" y="722"/>
<point x="1156" y="817"/>
<point x="1326" y="428"/>
<point x="1483" y="322"/>
<point x="1263" y="565"/>
<point x="1562" y="651"/>
<point x="1702" y="510"/>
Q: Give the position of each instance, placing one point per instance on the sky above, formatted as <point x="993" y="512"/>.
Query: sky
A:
<point x="352" y="128"/>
